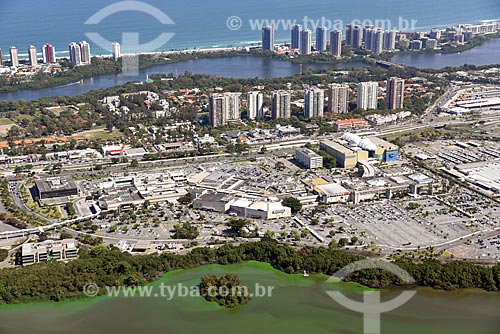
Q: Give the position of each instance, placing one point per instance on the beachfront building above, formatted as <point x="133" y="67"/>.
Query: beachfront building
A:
<point x="75" y="56"/>
<point x="321" y="39"/>
<point x="305" y="42"/>
<point x="32" y="56"/>
<point x="336" y="43"/>
<point x="85" y="53"/>
<point x="295" y="42"/>
<point x="49" y="54"/>
<point x="14" y="56"/>
<point x="268" y="38"/>
<point x="116" y="50"/>
<point x="354" y="35"/>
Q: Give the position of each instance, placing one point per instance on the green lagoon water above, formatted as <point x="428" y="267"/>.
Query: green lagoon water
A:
<point x="298" y="305"/>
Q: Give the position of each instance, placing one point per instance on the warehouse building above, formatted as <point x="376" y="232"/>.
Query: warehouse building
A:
<point x="346" y="158"/>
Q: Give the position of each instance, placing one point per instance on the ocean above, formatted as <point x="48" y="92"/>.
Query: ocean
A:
<point x="204" y="24"/>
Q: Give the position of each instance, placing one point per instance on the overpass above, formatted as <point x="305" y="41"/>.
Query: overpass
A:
<point x="41" y="229"/>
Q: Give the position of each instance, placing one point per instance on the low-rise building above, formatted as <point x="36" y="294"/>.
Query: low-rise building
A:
<point x="349" y="124"/>
<point x="329" y="192"/>
<point x="218" y="202"/>
<point x="112" y="150"/>
<point x="309" y="158"/>
<point x="260" y="209"/>
<point x="53" y="187"/>
<point x="60" y="250"/>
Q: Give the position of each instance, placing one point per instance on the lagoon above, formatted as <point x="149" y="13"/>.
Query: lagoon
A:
<point x="298" y="305"/>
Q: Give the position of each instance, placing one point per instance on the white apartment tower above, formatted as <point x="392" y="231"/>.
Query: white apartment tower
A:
<point x="314" y="102"/>
<point x="367" y="95"/>
<point x="255" y="105"/>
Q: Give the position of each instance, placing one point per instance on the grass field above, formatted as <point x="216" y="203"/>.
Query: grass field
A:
<point x="99" y="133"/>
<point x="5" y="125"/>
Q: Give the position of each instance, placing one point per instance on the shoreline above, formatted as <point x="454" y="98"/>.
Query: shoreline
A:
<point x="292" y="278"/>
<point x="161" y="58"/>
<point x="148" y="269"/>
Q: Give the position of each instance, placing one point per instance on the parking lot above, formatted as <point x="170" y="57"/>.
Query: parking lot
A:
<point x="388" y="224"/>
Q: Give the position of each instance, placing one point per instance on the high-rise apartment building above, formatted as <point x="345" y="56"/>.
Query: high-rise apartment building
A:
<point x="268" y="38"/>
<point x="314" y="102"/>
<point x="255" y="101"/>
<point x="117" y="53"/>
<point x="336" y="43"/>
<point x="338" y="98"/>
<point x="395" y="93"/>
<point x="75" y="54"/>
<point x="85" y="53"/>
<point x="14" y="56"/>
<point x="224" y="108"/>
<point x="367" y="95"/>
<point x="32" y="56"/>
<point x="281" y="105"/>
<point x="296" y="36"/>
<point x="305" y="42"/>
<point x="321" y="39"/>
<point x="49" y="54"/>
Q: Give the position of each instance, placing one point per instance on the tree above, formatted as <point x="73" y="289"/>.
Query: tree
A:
<point x="293" y="204"/>
<point x="354" y="240"/>
<point x="214" y="289"/>
<point x="4" y="254"/>
<point x="343" y="242"/>
<point x="238" y="226"/>
<point x="134" y="163"/>
<point x="269" y="234"/>
<point x="185" y="199"/>
<point x="185" y="231"/>
<point x="333" y="244"/>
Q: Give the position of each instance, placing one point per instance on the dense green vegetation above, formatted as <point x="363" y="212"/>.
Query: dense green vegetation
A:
<point x="225" y="290"/>
<point x="239" y="227"/>
<point x="14" y="215"/>
<point x="106" y="266"/>
<point x="293" y="204"/>
<point x="68" y="75"/>
<point x="185" y="231"/>
<point x="3" y="254"/>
